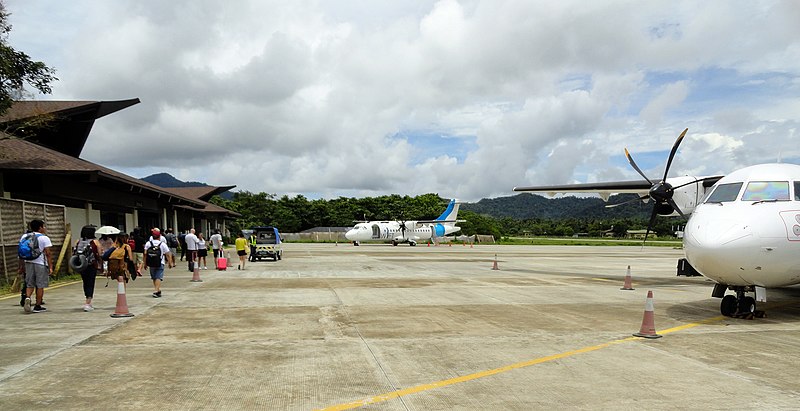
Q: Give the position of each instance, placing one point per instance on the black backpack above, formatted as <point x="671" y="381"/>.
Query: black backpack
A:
<point x="153" y="255"/>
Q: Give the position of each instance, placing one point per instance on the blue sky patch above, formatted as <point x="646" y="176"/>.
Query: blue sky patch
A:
<point x="429" y="144"/>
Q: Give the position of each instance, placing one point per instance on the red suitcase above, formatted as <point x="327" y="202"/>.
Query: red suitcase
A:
<point x="222" y="262"/>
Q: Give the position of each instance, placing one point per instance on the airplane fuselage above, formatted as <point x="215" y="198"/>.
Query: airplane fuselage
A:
<point x="747" y="230"/>
<point x="391" y="231"/>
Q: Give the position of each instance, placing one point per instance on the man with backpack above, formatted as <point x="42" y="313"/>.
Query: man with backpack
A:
<point x="36" y="261"/>
<point x="155" y="250"/>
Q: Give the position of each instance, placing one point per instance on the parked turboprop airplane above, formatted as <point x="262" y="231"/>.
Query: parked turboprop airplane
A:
<point x="407" y="231"/>
<point x="744" y="228"/>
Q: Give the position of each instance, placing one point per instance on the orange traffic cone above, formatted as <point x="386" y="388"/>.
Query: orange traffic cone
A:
<point x="494" y="266"/>
<point x="450" y="244"/>
<point x="122" y="302"/>
<point x="648" y="329"/>
<point x="429" y="243"/>
<point x="196" y="274"/>
<point x="627" y="285"/>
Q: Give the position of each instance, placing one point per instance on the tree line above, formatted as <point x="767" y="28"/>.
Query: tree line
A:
<point x="298" y="213"/>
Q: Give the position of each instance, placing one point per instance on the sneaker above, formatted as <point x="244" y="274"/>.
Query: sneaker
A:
<point x="157" y="294"/>
<point x="27" y="305"/>
<point x="88" y="307"/>
<point x="205" y="268"/>
<point x="239" y="267"/>
<point x="39" y="309"/>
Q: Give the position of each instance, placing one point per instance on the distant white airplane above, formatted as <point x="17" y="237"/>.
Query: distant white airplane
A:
<point x="744" y="228"/>
<point x="407" y="231"/>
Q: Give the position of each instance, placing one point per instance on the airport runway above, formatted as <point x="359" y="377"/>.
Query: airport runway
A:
<point x="406" y="328"/>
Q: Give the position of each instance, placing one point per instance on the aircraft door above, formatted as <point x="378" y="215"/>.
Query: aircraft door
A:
<point x="376" y="232"/>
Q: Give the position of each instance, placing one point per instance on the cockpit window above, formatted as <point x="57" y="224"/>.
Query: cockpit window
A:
<point x="766" y="191"/>
<point x="724" y="193"/>
<point x="797" y="190"/>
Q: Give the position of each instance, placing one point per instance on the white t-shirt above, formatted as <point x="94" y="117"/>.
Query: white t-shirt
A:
<point x="44" y="242"/>
<point x="162" y="244"/>
<point x="191" y="242"/>
<point x="216" y="241"/>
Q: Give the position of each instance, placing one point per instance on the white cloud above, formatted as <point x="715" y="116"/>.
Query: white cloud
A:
<point x="307" y="95"/>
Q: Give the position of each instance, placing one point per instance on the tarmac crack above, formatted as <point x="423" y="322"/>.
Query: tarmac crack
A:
<point x="366" y="344"/>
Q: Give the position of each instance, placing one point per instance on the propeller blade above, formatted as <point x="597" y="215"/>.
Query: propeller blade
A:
<point x="635" y="167"/>
<point x="653" y="216"/>
<point x="672" y="153"/>
<point x="675" y="207"/>
<point x="642" y="198"/>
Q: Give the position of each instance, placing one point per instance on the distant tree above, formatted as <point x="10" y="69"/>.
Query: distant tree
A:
<point x="17" y="69"/>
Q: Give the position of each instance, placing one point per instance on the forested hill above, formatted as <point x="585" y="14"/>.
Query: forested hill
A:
<point x="526" y="206"/>
<point x="166" y="180"/>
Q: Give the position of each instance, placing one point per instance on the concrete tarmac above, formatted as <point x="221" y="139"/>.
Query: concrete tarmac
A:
<point x="406" y="328"/>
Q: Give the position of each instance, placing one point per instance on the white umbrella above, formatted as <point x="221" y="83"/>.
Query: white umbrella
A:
<point x="107" y="230"/>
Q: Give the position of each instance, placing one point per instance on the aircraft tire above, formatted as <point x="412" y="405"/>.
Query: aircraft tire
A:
<point x="728" y="305"/>
<point x="748" y="305"/>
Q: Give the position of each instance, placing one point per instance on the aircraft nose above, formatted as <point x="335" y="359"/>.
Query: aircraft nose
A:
<point x="717" y="233"/>
<point x="350" y="234"/>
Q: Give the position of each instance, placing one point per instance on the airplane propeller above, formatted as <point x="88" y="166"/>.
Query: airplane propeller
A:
<point x="660" y="192"/>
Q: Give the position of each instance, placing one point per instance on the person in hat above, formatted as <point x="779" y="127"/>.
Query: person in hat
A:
<point x="156" y="267"/>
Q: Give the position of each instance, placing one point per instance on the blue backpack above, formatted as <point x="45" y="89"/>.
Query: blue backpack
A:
<point x="28" y="248"/>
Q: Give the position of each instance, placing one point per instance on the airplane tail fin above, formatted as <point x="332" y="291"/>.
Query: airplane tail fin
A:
<point x="451" y="213"/>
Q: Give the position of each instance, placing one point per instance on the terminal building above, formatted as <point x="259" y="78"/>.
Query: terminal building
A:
<point x="42" y="176"/>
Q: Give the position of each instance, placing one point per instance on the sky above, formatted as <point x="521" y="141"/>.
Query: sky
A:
<point x="466" y="99"/>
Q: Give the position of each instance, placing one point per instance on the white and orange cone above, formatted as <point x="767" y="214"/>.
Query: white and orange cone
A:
<point x="196" y="274"/>
<point x="494" y="266"/>
<point x="122" y="302"/>
<point x="648" y="329"/>
<point x="627" y="286"/>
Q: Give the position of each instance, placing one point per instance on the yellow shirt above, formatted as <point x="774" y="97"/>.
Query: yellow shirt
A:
<point x="241" y="244"/>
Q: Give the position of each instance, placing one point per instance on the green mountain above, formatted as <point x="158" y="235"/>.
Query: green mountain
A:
<point x="166" y="180"/>
<point x="528" y="206"/>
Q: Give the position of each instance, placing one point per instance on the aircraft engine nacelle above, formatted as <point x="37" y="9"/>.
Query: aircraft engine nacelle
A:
<point x="686" y="197"/>
<point x="437" y="230"/>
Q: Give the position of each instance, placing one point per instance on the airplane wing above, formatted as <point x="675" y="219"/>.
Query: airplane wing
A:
<point x="604" y="189"/>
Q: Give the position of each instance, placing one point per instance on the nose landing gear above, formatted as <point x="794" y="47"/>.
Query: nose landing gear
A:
<point x="741" y="305"/>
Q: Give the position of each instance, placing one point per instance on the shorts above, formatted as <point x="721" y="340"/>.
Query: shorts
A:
<point x="36" y="275"/>
<point x="202" y="252"/>
<point x="173" y="250"/>
<point x="241" y="252"/>
<point x="157" y="273"/>
<point x="137" y="258"/>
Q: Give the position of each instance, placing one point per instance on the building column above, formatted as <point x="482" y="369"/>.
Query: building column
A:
<point x="136" y="217"/>
<point x="175" y="221"/>
<point x="164" y="219"/>
<point x="88" y="209"/>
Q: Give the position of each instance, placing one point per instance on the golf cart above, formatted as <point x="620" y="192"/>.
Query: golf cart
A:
<point x="268" y="243"/>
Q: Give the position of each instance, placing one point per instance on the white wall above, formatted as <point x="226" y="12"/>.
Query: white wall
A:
<point x="76" y="217"/>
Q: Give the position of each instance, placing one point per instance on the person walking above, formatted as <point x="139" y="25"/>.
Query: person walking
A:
<point x="118" y="261"/>
<point x="37" y="270"/>
<point x="89" y="274"/>
<point x="191" y="248"/>
<point x="202" y="251"/>
<point x="172" y="242"/>
<point x="182" y="243"/>
<point x="154" y="261"/>
<point x="241" y="250"/>
<point x="216" y="247"/>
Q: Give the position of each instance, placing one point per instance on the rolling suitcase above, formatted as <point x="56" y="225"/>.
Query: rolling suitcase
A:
<point x="222" y="262"/>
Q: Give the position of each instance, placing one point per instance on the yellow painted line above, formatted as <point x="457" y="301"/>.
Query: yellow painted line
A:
<point x="53" y="287"/>
<point x="487" y="373"/>
<point x="604" y="279"/>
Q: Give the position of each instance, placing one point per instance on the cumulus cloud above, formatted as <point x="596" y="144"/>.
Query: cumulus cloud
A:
<point x="315" y="98"/>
